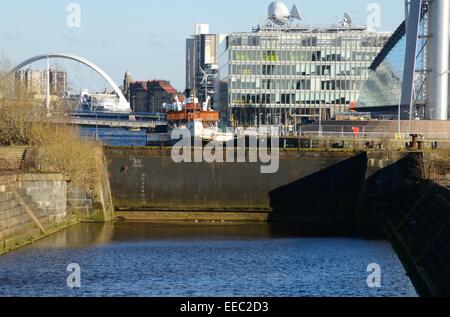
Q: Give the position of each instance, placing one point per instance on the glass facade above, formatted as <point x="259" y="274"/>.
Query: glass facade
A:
<point x="201" y="54"/>
<point x="280" y="76"/>
<point x="384" y="85"/>
<point x="381" y="94"/>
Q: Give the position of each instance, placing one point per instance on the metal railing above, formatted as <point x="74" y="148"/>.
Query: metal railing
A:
<point x="344" y="132"/>
<point x="364" y="132"/>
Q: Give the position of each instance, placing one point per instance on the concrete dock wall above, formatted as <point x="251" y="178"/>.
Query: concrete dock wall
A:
<point x="48" y="192"/>
<point x="32" y="206"/>
<point x="13" y="219"/>
<point x="309" y="186"/>
<point x="388" y="174"/>
<point x="312" y="187"/>
<point x="414" y="215"/>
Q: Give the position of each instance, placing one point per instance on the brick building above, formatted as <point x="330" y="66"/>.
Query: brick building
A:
<point x="149" y="96"/>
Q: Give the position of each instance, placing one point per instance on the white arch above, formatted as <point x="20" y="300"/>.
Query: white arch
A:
<point x="123" y="105"/>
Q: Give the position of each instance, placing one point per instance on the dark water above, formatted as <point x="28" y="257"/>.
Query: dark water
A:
<point x="116" y="136"/>
<point x="197" y="260"/>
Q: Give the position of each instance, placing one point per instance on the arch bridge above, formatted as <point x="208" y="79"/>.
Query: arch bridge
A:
<point x="122" y="106"/>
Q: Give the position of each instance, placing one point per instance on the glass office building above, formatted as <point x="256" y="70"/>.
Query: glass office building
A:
<point x="201" y="56"/>
<point x="381" y="95"/>
<point x="282" y="75"/>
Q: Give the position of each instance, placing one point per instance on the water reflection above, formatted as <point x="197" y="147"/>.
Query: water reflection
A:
<point x="129" y="231"/>
<point x="141" y="259"/>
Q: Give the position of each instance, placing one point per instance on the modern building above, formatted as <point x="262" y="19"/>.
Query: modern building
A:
<point x="149" y="96"/>
<point x="35" y="81"/>
<point x="58" y="82"/>
<point x="283" y="74"/>
<point x="409" y="78"/>
<point x="201" y="62"/>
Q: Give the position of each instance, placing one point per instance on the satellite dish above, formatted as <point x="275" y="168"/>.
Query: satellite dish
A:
<point x="295" y="14"/>
<point x="347" y="20"/>
<point x="278" y="13"/>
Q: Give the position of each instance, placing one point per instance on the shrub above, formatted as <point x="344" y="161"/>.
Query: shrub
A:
<point x="59" y="147"/>
<point x="15" y="126"/>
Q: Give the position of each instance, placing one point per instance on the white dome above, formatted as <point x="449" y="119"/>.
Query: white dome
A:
<point x="278" y="12"/>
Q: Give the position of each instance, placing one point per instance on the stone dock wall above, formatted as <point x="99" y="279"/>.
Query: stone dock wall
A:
<point x="32" y="206"/>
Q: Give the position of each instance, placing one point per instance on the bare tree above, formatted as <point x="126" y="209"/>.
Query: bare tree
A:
<point x="58" y="147"/>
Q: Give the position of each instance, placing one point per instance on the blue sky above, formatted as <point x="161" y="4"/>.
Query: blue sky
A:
<point x="147" y="37"/>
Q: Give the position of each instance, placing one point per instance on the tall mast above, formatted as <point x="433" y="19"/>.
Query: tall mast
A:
<point x="194" y="77"/>
<point x="47" y="85"/>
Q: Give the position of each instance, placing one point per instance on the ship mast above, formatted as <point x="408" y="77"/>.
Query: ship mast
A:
<point x="194" y="88"/>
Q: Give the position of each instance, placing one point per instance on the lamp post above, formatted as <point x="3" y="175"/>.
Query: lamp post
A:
<point x="399" y="123"/>
<point x="153" y="103"/>
<point x="320" y="119"/>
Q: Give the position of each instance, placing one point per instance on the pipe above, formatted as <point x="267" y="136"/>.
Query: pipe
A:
<point x="438" y="60"/>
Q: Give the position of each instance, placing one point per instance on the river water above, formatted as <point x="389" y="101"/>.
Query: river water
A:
<point x="136" y="259"/>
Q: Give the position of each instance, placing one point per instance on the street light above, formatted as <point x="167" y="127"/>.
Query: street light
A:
<point x="399" y="124"/>
<point x="320" y="119"/>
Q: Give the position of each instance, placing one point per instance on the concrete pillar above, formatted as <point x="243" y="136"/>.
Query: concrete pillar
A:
<point x="438" y="60"/>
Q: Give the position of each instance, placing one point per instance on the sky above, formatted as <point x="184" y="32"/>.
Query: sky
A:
<point x="147" y="37"/>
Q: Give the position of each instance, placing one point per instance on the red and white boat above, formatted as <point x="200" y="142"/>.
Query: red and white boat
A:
<point x="201" y="121"/>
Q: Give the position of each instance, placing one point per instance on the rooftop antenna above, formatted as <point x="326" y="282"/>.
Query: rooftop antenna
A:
<point x="295" y="13"/>
<point x="347" y="21"/>
<point x="279" y="14"/>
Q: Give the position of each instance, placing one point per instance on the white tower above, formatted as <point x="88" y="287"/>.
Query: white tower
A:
<point x="438" y="60"/>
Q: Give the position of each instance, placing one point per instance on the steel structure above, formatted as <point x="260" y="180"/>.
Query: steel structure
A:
<point x="437" y="59"/>
<point x="409" y="69"/>
<point x="424" y="76"/>
<point x="122" y="105"/>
